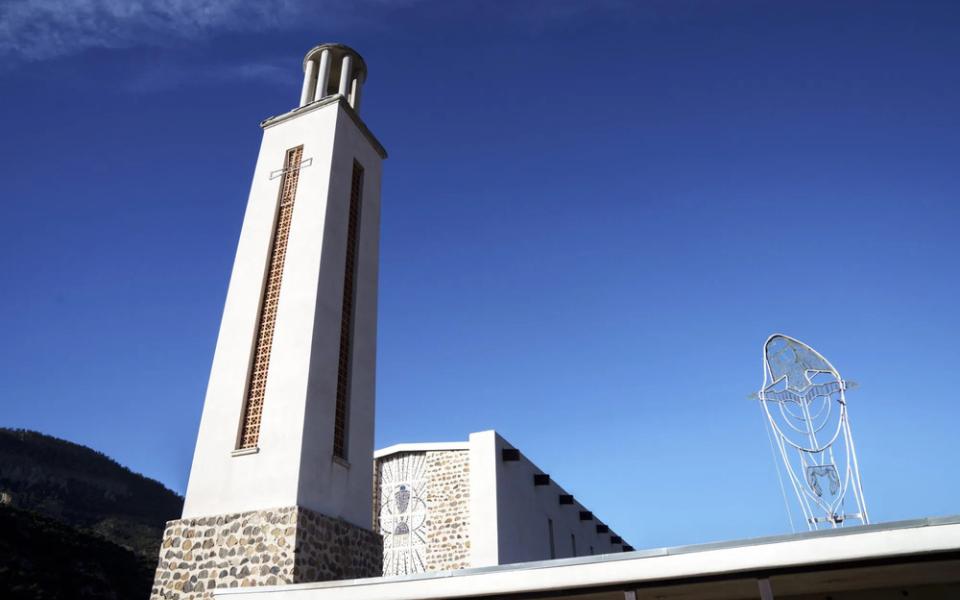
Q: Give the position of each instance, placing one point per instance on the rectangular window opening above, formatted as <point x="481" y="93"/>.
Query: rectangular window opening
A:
<point x="553" y="548"/>
<point x="344" y="367"/>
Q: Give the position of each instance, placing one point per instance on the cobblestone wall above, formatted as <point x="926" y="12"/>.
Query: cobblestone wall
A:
<point x="448" y="510"/>
<point x="285" y="545"/>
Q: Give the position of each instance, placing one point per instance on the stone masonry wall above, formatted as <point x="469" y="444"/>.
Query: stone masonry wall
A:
<point x="448" y="510"/>
<point x="284" y="545"/>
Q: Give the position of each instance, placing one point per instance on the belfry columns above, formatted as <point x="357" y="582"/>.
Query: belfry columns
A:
<point x="345" y="72"/>
<point x="316" y="78"/>
<point x="309" y="83"/>
<point x="355" y="94"/>
<point x="323" y="76"/>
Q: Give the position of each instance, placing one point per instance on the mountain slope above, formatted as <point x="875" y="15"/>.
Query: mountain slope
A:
<point x="85" y="489"/>
<point x="44" y="559"/>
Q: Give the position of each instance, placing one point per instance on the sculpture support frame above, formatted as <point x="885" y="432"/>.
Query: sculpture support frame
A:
<point x="803" y="394"/>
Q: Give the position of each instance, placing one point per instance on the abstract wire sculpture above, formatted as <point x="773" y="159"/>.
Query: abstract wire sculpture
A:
<point x="805" y="406"/>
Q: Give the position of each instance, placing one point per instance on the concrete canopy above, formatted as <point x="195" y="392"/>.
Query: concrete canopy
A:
<point x="916" y="559"/>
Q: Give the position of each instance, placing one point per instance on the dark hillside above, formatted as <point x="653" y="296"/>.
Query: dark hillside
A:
<point x="85" y="489"/>
<point x="44" y="559"/>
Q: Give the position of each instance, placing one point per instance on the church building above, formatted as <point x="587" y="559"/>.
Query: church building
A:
<point x="287" y="500"/>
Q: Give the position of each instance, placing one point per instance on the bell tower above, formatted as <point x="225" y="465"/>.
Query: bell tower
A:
<point x="280" y="489"/>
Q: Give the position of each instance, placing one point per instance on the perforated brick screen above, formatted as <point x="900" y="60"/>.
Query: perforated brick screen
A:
<point x="271" y="299"/>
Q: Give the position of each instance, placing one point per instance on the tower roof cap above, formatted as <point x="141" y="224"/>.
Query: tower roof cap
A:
<point x="338" y="51"/>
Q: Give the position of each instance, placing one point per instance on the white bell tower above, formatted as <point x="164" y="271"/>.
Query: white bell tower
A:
<point x="280" y="489"/>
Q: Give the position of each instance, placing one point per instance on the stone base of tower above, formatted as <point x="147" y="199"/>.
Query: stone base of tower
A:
<point x="265" y="547"/>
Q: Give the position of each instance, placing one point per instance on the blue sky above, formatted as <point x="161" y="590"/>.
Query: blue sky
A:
<point x="593" y="216"/>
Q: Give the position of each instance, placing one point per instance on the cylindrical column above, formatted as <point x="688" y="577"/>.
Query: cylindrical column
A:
<point x="346" y="68"/>
<point x="323" y="77"/>
<point x="309" y="82"/>
<point x="355" y="94"/>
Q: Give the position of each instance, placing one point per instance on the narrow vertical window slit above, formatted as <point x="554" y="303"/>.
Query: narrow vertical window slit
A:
<point x="347" y="314"/>
<point x="553" y="548"/>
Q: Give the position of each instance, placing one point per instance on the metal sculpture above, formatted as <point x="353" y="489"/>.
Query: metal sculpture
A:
<point x="804" y="402"/>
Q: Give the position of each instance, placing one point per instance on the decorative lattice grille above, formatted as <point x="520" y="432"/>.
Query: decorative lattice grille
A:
<point x="346" y="314"/>
<point x="271" y="299"/>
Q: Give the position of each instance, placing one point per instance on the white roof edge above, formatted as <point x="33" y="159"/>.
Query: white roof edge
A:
<point x="747" y="556"/>
<point x="422" y="447"/>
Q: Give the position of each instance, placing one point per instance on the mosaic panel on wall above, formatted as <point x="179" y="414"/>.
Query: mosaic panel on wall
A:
<point x="403" y="514"/>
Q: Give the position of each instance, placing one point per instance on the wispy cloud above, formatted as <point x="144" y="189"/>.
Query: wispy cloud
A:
<point x="161" y="76"/>
<point x="42" y="29"/>
<point x="36" y="30"/>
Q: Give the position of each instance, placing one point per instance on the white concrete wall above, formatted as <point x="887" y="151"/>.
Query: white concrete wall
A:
<point x="523" y="510"/>
<point x="484" y="540"/>
<point x="326" y="485"/>
<point x="294" y="464"/>
<point x="508" y="513"/>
